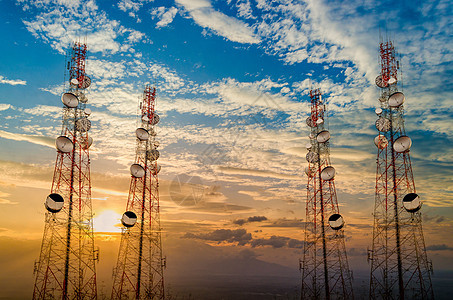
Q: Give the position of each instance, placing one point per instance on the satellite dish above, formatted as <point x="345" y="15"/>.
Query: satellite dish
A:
<point x="402" y="144"/>
<point x="81" y="96"/>
<point x="310" y="122"/>
<point x="83" y="125"/>
<point x="152" y="155"/>
<point x="312" y="157"/>
<point x="142" y="134"/>
<point x="156" y="144"/>
<point x="378" y="111"/>
<point x="323" y="136"/>
<point x="336" y="221"/>
<point x="392" y="80"/>
<point x="380" y="82"/>
<point x="54" y="203"/>
<point x="383" y="124"/>
<point x="152" y="132"/>
<point x="64" y="144"/>
<point x="129" y="219"/>
<point x="87" y="142"/>
<point x="381" y="141"/>
<point x="310" y="172"/>
<point x="70" y="100"/>
<point x="155" y="169"/>
<point x="87" y="111"/>
<point x="396" y="99"/>
<point x="412" y="202"/>
<point x="382" y="99"/>
<point x="308" y="146"/>
<point x="311" y="136"/>
<point x="74" y="81"/>
<point x="145" y="118"/>
<point x="328" y="173"/>
<point x="85" y="82"/>
<point x="319" y="121"/>
<point x="156" y="119"/>
<point x="137" y="171"/>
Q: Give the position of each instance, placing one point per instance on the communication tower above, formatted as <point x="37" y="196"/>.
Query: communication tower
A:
<point x="139" y="270"/>
<point x="399" y="265"/>
<point x="325" y="270"/>
<point x="66" y="266"/>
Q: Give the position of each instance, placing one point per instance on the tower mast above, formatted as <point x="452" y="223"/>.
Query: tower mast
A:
<point x="66" y="266"/>
<point x="325" y="270"/>
<point x="399" y="265"/>
<point x="139" y="270"/>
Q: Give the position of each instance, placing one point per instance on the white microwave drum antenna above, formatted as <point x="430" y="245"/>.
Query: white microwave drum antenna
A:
<point x="87" y="111"/>
<point x="54" y="203"/>
<point x="86" y="142"/>
<point x="310" y="172"/>
<point x="64" y="144"/>
<point x="83" y="125"/>
<point x="323" y="136"/>
<point x="402" y="144"/>
<point x="152" y="155"/>
<point x="74" y="82"/>
<point x="81" y="96"/>
<point x="396" y="99"/>
<point x="70" y="100"/>
<point x="336" y="221"/>
<point x="312" y="157"/>
<point x="328" y="173"/>
<point x="308" y="146"/>
<point x="156" y="144"/>
<point x="378" y="111"/>
<point x="142" y="134"/>
<point x="155" y="169"/>
<point x="129" y="219"/>
<point x="392" y="80"/>
<point x="381" y="141"/>
<point x="319" y="121"/>
<point x="412" y="202"/>
<point x="137" y="171"/>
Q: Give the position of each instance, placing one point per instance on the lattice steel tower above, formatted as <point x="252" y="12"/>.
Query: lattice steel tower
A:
<point x="324" y="266"/>
<point x="66" y="266"/>
<point x="399" y="265"/>
<point x="139" y="270"/>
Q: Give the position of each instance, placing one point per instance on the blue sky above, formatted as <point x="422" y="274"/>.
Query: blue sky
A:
<point x="233" y="80"/>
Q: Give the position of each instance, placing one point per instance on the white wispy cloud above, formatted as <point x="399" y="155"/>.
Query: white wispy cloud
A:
<point x="202" y="12"/>
<point x="164" y="15"/>
<point x="12" y="81"/>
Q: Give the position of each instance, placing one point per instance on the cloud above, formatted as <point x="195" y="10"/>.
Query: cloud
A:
<point x="202" y="12"/>
<point x="296" y="223"/>
<point x="259" y="173"/>
<point x="278" y="242"/>
<point x="249" y="220"/>
<point x="439" y="247"/>
<point x="35" y="139"/>
<point x="241" y="236"/>
<point x="12" y="81"/>
<point x="4" y="106"/>
<point x="165" y="16"/>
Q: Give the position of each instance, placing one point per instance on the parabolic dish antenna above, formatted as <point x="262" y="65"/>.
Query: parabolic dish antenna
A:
<point x="156" y="144"/>
<point x="312" y="157"/>
<point x="85" y="82"/>
<point x="396" y="99"/>
<point x="87" y="111"/>
<point x="137" y="171"/>
<point x="336" y="221"/>
<point x="74" y="81"/>
<point x="86" y="142"/>
<point x="308" y="146"/>
<point x="378" y="111"/>
<point x="142" y="134"/>
<point x="323" y="136"/>
<point x="381" y="141"/>
<point x="392" y="80"/>
<point x="380" y="82"/>
<point x="402" y="144"/>
<point x="156" y="119"/>
<point x="152" y="155"/>
<point x="383" y="124"/>
<point x="155" y="169"/>
<point x="319" y="121"/>
<point x="145" y="118"/>
<point x="54" y="203"/>
<point x="310" y="172"/>
<point x="70" y="100"/>
<point x="412" y="202"/>
<point x="81" y="96"/>
<point x="83" y="125"/>
<point x="64" y="144"/>
<point x="310" y="122"/>
<point x="129" y="219"/>
<point x="328" y="173"/>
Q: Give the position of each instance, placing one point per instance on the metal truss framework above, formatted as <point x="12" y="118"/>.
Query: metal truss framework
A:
<point x="66" y="266"/>
<point x="399" y="265"/>
<point x="139" y="270"/>
<point x="325" y="270"/>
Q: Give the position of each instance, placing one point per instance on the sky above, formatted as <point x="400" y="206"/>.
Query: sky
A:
<point x="232" y="81"/>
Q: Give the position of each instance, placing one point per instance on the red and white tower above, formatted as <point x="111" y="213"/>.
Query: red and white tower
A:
<point x="66" y="266"/>
<point x="399" y="265"/>
<point x="139" y="270"/>
<point x="324" y="266"/>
